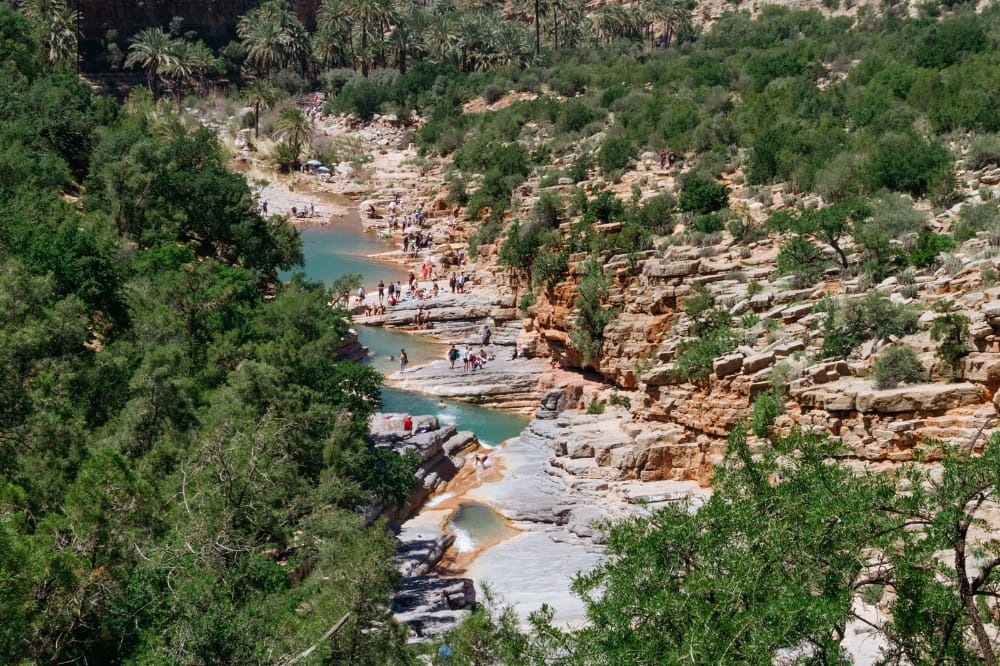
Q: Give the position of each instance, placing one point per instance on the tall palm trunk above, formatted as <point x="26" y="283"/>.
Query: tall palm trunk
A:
<point x="538" y="32"/>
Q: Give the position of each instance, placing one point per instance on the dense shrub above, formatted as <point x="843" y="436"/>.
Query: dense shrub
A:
<point x="493" y="93"/>
<point x="695" y="357"/>
<point x="360" y="96"/>
<point x="712" y="223"/>
<point x="872" y="316"/>
<point x="333" y="80"/>
<point x="593" y="314"/>
<point x="605" y="207"/>
<point x="802" y="259"/>
<point x="929" y="246"/>
<point x="905" y="162"/>
<point x="898" y="364"/>
<point x="657" y="214"/>
<point x="951" y="331"/>
<point x="574" y="115"/>
<point x="984" y="151"/>
<point x="615" y="153"/>
<point x="975" y="218"/>
<point x="767" y="406"/>
<point x="701" y="195"/>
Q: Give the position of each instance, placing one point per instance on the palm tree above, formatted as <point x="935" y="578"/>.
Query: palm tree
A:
<point x="372" y="16"/>
<point x="56" y="23"/>
<point x="293" y="127"/>
<point x="405" y="40"/>
<point x="332" y="39"/>
<point x="153" y="49"/>
<point x="675" y="17"/>
<point x="262" y="95"/>
<point x="273" y="37"/>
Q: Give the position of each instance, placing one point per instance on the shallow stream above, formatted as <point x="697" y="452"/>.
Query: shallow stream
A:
<point x="341" y="248"/>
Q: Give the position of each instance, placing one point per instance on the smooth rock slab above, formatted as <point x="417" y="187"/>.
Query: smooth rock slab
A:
<point x="532" y="569"/>
<point x="919" y="398"/>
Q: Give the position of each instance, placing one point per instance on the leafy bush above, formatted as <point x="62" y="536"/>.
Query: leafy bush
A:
<point x="951" y="331"/>
<point x="547" y="211"/>
<point x="707" y="224"/>
<point x="549" y="269"/>
<point x="574" y="115"/>
<point x="578" y="170"/>
<point x="802" y="259"/>
<point x="905" y="162"/>
<point x="929" y="246"/>
<point x="605" y="207"/>
<point x="615" y="153"/>
<point x="619" y="400"/>
<point x="592" y="314"/>
<point x="360" y="96"/>
<point x="595" y="407"/>
<point x="975" y="218"/>
<point x="898" y="364"/>
<point x="493" y="93"/>
<point x="695" y="357"/>
<point x="333" y="80"/>
<point x="872" y="316"/>
<point x="767" y="406"/>
<point x="701" y="195"/>
<point x="657" y="214"/>
<point x="527" y="300"/>
<point x="570" y="81"/>
<point x="984" y="151"/>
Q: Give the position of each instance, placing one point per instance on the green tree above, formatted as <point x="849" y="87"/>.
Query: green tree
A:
<point x="154" y="50"/>
<point x="683" y="584"/>
<point x="951" y="331"/>
<point x="592" y="313"/>
<point x="262" y="95"/>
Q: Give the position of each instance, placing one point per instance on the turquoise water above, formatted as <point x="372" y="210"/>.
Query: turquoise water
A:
<point x="338" y="249"/>
<point x="341" y="248"/>
<point x="490" y="425"/>
<point x="474" y="524"/>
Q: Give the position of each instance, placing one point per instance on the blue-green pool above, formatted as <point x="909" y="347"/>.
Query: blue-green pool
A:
<point x="339" y="249"/>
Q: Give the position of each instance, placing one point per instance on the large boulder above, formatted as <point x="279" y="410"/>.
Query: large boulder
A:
<point x="981" y="367"/>
<point x="919" y="398"/>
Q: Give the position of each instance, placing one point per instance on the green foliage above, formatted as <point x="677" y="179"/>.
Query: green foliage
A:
<point x="974" y="218"/>
<point x="574" y="115"/>
<point x="593" y="315"/>
<point x="898" y="364"/>
<point x="929" y="246"/>
<point x="549" y="268"/>
<point x="605" y="207"/>
<point x="527" y="300"/>
<point x="619" y="400"/>
<point x="360" y="96"/>
<point x="802" y="259"/>
<point x="701" y="195"/>
<point x="767" y="406"/>
<point x="709" y="562"/>
<point x="595" y="407"/>
<point x="951" y="331"/>
<point x="614" y="154"/>
<point x="872" y="316"/>
<point x="657" y="214"/>
<point x="712" y="223"/>
<point x="695" y="357"/>
<point x="905" y="162"/>
<point x="183" y="459"/>
<point x="984" y="151"/>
